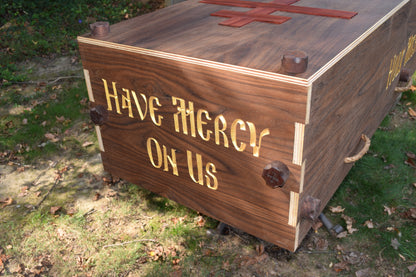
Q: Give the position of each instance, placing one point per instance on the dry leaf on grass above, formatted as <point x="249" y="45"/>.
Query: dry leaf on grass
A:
<point x="96" y="196"/>
<point x="411" y="268"/>
<point x="412" y="112"/>
<point x="60" y="119"/>
<point x="395" y="243"/>
<point x="369" y="224"/>
<point x="342" y="235"/>
<point x="55" y="209"/>
<point x="411" y="159"/>
<point x="87" y="143"/>
<point x="200" y="221"/>
<point x="260" y="248"/>
<point x="6" y="202"/>
<point x="337" y="209"/>
<point x="349" y="221"/>
<point x="51" y="137"/>
<point x="363" y="272"/>
<point x="389" y="210"/>
<point x="412" y="212"/>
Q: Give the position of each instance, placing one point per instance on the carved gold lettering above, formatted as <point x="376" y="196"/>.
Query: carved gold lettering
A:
<point x="200" y="123"/>
<point x="139" y="108"/>
<point x="126" y="103"/>
<point x="184" y="113"/>
<point x="170" y="160"/>
<point x="242" y="145"/>
<point x="210" y="169"/>
<point x="109" y="96"/>
<point x="218" y="130"/>
<point x="411" y="49"/>
<point x="152" y="101"/>
<point x="191" y="167"/>
<point x="395" y="67"/>
<point x="158" y="151"/>
<point x="253" y="134"/>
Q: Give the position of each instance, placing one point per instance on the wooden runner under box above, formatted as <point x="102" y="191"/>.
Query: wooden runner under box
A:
<point x="195" y="102"/>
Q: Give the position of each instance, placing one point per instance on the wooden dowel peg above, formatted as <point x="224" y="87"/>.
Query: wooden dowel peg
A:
<point x="275" y="174"/>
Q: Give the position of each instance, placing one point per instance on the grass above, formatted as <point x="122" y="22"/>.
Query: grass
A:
<point x="50" y="111"/>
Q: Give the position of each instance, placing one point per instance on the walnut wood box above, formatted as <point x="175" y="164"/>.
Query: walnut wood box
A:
<point x="196" y="103"/>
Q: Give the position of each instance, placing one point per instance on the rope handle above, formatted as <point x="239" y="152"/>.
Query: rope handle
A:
<point x="406" y="88"/>
<point x="360" y="154"/>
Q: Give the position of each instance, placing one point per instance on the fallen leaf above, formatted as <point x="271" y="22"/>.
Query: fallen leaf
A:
<point x="349" y="221"/>
<point x="413" y="88"/>
<point x="51" y="137"/>
<point x="9" y="124"/>
<point x="200" y="221"/>
<point x="342" y="235"/>
<point x="71" y="211"/>
<point x="61" y="233"/>
<point x="9" y="247"/>
<point x="337" y="209"/>
<point x="96" y="196"/>
<point x="411" y="155"/>
<point x="6" y="202"/>
<point x="411" y="268"/>
<point x="414" y="184"/>
<point x="111" y="193"/>
<point x="54" y="210"/>
<point x="340" y="266"/>
<point x="363" y="272"/>
<point x="412" y="112"/>
<point x="412" y="212"/>
<point x="24" y="121"/>
<point x="43" y="123"/>
<point x="395" y="243"/>
<point x="369" y="224"/>
<point x="87" y="143"/>
<point x="260" y="248"/>
<point x="53" y="96"/>
<point x="60" y="119"/>
<point x="402" y="257"/>
<point x="389" y="210"/>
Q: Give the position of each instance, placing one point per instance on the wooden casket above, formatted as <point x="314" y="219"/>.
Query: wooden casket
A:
<point x="247" y="110"/>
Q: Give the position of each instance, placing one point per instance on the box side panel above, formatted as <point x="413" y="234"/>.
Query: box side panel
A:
<point x="410" y="56"/>
<point x="201" y="136"/>
<point x="349" y="100"/>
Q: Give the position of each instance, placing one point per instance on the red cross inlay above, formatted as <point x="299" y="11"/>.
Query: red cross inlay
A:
<point x="262" y="11"/>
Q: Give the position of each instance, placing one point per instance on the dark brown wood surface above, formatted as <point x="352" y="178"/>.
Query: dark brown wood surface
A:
<point x="410" y="62"/>
<point x="350" y="99"/>
<point x="188" y="29"/>
<point x="243" y="199"/>
<point x="230" y="73"/>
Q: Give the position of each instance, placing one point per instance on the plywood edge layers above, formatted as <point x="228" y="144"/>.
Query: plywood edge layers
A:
<point x="196" y="61"/>
<point x="298" y="143"/>
<point x="355" y="43"/>
<point x="99" y="138"/>
<point x="293" y="209"/>
<point x="89" y="87"/>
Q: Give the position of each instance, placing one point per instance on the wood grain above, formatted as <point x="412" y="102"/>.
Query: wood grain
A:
<point x="242" y="199"/>
<point x="188" y="29"/>
<point x="350" y="99"/>
<point x="315" y="119"/>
